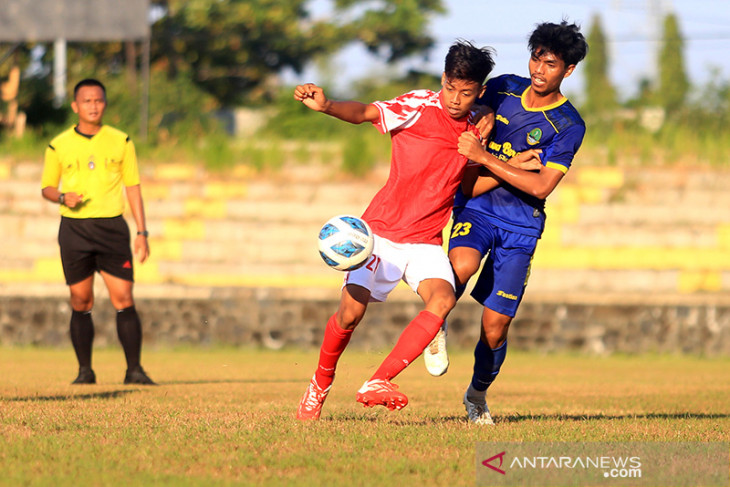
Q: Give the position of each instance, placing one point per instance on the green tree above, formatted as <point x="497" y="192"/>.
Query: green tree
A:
<point x="600" y="93"/>
<point x="673" y="82"/>
<point x="213" y="53"/>
<point x="398" y="27"/>
<point x="232" y="47"/>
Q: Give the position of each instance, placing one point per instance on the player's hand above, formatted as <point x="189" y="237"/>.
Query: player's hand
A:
<point x="141" y="248"/>
<point x="312" y="96"/>
<point x="72" y="200"/>
<point x="470" y="146"/>
<point x="484" y="117"/>
<point x="528" y="160"/>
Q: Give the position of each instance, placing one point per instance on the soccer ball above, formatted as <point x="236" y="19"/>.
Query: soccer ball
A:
<point x="345" y="242"/>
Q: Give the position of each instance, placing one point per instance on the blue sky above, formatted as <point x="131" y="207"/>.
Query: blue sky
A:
<point x="632" y="28"/>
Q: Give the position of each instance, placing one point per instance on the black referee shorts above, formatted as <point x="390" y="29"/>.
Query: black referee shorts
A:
<point x="95" y="244"/>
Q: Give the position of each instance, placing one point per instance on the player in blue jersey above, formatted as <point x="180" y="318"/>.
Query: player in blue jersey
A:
<point x="500" y="214"/>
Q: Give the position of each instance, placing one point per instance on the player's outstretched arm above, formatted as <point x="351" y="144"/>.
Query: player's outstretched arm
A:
<point x="538" y="184"/>
<point x="477" y="180"/>
<point x="350" y="111"/>
<point x="312" y="96"/>
<point x="527" y="161"/>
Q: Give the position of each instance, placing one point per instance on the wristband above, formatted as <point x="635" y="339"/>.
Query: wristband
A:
<point x="144" y="233"/>
<point x="62" y="199"/>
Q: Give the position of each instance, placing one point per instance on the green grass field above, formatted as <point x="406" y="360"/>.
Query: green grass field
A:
<point x="226" y="416"/>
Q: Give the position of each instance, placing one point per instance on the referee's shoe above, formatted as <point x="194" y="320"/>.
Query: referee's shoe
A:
<point x="86" y="376"/>
<point x="137" y="375"/>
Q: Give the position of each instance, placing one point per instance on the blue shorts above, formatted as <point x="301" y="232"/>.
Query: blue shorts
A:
<point x="502" y="281"/>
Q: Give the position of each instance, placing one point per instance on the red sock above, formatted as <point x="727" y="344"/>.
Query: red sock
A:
<point x="334" y="343"/>
<point x="411" y="343"/>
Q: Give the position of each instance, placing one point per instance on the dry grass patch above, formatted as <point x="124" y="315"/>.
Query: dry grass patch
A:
<point x="226" y="416"/>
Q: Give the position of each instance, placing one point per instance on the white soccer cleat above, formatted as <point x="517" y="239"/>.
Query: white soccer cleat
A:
<point x="310" y="406"/>
<point x="478" y="413"/>
<point x="435" y="356"/>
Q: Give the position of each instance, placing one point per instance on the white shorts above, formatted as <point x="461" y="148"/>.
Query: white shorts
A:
<point x="392" y="262"/>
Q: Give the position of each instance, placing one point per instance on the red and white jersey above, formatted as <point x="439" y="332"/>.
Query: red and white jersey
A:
<point x="425" y="169"/>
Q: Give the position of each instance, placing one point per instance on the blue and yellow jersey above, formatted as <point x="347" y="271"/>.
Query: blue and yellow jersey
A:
<point x="99" y="167"/>
<point x="557" y="130"/>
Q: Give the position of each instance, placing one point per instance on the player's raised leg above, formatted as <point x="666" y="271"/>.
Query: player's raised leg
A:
<point x="337" y="334"/>
<point x="438" y="296"/>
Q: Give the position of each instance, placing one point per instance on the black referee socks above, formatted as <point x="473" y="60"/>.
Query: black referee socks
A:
<point x="129" y="330"/>
<point x="82" y="336"/>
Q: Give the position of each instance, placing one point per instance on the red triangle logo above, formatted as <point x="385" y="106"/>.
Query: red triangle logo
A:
<point x="127" y="265"/>
<point x="487" y="462"/>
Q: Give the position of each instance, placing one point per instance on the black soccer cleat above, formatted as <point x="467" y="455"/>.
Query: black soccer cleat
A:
<point x="86" y="376"/>
<point x="138" y="376"/>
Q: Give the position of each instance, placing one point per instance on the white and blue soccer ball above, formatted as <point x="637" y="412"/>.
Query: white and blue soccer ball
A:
<point x="345" y="242"/>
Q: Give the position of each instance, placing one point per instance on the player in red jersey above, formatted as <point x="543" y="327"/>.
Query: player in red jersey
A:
<point x="407" y="217"/>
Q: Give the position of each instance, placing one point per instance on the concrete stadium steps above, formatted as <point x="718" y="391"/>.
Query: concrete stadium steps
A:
<point x="643" y="234"/>
<point x="668" y="213"/>
<point x="609" y="229"/>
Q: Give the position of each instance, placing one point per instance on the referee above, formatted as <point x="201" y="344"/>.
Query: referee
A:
<point x="85" y="169"/>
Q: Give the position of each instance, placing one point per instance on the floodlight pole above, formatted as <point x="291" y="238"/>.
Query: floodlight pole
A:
<point x="145" y="98"/>
<point x="59" y="72"/>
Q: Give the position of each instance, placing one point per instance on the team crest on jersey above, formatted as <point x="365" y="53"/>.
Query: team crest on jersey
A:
<point x="534" y="136"/>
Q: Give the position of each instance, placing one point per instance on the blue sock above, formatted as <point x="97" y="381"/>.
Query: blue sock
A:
<point x="487" y="362"/>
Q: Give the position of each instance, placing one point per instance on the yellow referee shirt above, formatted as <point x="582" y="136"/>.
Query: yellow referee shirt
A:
<point x="97" y="167"/>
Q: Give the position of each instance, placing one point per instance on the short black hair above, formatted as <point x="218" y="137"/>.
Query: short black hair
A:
<point x="88" y="82"/>
<point x="564" y="40"/>
<point x="465" y="61"/>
